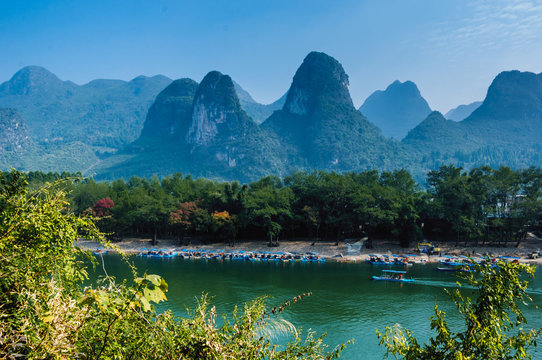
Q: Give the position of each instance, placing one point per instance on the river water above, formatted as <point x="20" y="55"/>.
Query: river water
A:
<point x="345" y="302"/>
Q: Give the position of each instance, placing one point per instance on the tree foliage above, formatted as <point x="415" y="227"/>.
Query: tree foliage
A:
<point x="46" y="313"/>
<point x="492" y="321"/>
<point x="484" y="205"/>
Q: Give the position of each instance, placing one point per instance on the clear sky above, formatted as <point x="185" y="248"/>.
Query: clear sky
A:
<point x="451" y="49"/>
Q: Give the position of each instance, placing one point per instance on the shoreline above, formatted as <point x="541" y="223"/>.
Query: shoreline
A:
<point x="327" y="250"/>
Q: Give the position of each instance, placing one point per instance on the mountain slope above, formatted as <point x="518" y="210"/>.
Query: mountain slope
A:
<point x="397" y="109"/>
<point x="319" y="128"/>
<point x="107" y="113"/>
<point x="170" y="114"/>
<point x="202" y="131"/>
<point x="15" y="144"/>
<point x="505" y="129"/>
<point x="13" y="131"/>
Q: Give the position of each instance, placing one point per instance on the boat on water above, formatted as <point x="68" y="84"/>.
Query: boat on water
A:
<point x="100" y="251"/>
<point x="393" y="275"/>
<point x="379" y="260"/>
<point x="455" y="269"/>
<point x="155" y="253"/>
<point x="143" y="252"/>
<point x="242" y="255"/>
<point x="400" y="260"/>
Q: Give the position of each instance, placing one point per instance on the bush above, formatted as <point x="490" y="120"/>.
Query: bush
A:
<point x="46" y="313"/>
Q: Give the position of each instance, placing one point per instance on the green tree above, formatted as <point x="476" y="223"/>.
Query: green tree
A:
<point x="47" y="314"/>
<point x="527" y="206"/>
<point x="452" y="201"/>
<point x="406" y="200"/>
<point x="374" y="204"/>
<point x="493" y="321"/>
<point x="308" y="200"/>
<point x="310" y="217"/>
<point x="267" y="204"/>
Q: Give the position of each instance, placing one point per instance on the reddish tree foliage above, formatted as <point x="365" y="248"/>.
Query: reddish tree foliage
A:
<point x="183" y="213"/>
<point x="102" y="206"/>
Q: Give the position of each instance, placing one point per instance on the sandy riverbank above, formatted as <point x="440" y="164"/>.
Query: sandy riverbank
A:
<point x="328" y="249"/>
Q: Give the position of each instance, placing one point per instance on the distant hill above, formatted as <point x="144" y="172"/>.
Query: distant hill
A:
<point x="108" y="113"/>
<point x="462" y="111"/>
<point x="504" y="129"/>
<point x="397" y="109"/>
<point x="96" y="118"/>
<point x="435" y="140"/>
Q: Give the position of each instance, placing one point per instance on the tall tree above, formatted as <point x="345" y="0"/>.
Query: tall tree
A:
<point x="268" y="204"/>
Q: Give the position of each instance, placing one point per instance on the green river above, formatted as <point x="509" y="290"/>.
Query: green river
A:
<point x="345" y="302"/>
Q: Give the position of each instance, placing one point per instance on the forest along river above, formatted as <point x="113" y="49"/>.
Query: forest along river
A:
<point x="345" y="302"/>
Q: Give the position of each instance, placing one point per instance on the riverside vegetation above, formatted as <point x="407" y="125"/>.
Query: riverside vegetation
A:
<point x="490" y="321"/>
<point x="477" y="207"/>
<point x="46" y="313"/>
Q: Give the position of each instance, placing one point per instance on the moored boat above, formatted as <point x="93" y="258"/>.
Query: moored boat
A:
<point x="393" y="275"/>
<point x="100" y="251"/>
<point x="455" y="269"/>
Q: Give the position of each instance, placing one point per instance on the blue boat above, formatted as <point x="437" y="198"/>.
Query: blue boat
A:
<point x="393" y="275"/>
<point x="378" y="260"/>
<point x="100" y="251"/>
<point x="454" y="263"/>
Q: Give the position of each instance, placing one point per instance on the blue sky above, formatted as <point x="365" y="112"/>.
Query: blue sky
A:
<point x="451" y="49"/>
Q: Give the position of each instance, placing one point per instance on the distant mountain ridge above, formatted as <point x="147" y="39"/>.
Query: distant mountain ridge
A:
<point x="223" y="141"/>
<point x="106" y="113"/>
<point x="114" y="128"/>
<point x="462" y="111"/>
<point x="258" y="112"/>
<point x="397" y="109"/>
<point x="98" y="118"/>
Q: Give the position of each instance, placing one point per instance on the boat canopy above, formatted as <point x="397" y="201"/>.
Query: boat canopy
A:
<point x="394" y="271"/>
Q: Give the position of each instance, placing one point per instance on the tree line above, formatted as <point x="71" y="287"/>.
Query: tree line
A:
<point x="481" y="206"/>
